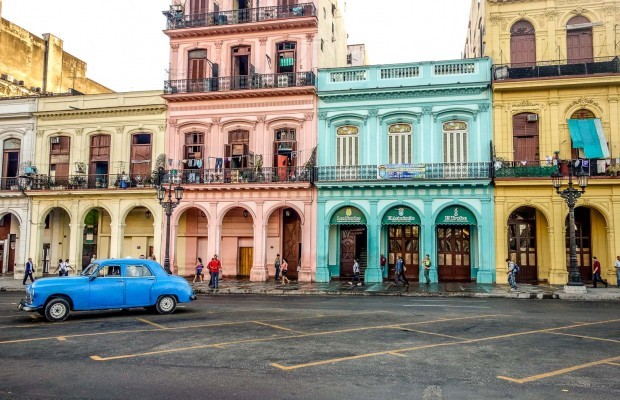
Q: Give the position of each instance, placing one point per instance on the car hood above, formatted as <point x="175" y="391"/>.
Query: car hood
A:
<point x="59" y="280"/>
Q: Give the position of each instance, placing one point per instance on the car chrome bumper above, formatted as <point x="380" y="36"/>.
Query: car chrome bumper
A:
<point x="193" y="296"/>
<point x="24" y="307"/>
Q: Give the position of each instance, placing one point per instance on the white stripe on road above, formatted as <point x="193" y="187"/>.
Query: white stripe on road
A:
<point x="441" y="305"/>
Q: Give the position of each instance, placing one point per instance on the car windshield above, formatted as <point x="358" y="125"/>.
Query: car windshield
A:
<point x="90" y="269"/>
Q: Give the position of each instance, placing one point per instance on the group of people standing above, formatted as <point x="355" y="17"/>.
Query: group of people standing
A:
<point x="400" y="268"/>
<point x="215" y="268"/>
<point x="281" y="267"/>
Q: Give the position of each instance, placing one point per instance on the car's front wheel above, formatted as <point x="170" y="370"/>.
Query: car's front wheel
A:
<point x="57" y="309"/>
<point x="166" y="304"/>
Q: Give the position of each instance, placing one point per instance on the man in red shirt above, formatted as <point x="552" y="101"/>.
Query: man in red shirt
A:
<point x="597" y="273"/>
<point x="215" y="266"/>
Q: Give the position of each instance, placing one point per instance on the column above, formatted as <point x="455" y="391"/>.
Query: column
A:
<point x="117" y="238"/>
<point x="611" y="271"/>
<point x="427" y="245"/>
<point x="36" y="252"/>
<point x="322" y="245"/>
<point x="75" y="243"/>
<point x="486" y="244"/>
<point x="259" y="272"/>
<point x="307" y="246"/>
<point x="558" y="275"/>
<point x="373" y="269"/>
<point x="214" y="232"/>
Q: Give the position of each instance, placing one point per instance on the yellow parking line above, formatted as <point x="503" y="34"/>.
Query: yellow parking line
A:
<point x="146" y="321"/>
<point x="558" y="372"/>
<point x="585" y="337"/>
<point x="613" y="363"/>
<point x="365" y="328"/>
<point x="397" y="354"/>
<point x="61" y="339"/>
<point x="432" y="333"/>
<point x="276" y="327"/>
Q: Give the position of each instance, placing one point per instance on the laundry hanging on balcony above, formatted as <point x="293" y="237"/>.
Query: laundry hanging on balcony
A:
<point x="587" y="134"/>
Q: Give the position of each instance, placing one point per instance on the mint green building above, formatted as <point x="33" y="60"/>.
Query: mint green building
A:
<point x="403" y="169"/>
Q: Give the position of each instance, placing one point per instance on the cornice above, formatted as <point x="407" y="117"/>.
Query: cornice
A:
<point x="399" y="93"/>
<point x="240" y="94"/>
<point x="100" y="112"/>
<point x="243" y="29"/>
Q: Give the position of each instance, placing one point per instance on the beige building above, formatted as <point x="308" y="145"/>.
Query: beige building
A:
<point x="556" y="83"/>
<point x="93" y="192"/>
<point x="31" y="65"/>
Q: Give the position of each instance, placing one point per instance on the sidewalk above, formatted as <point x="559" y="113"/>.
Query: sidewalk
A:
<point x="343" y="288"/>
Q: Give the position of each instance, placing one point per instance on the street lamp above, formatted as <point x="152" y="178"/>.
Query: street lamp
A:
<point x="169" y="205"/>
<point x="570" y="194"/>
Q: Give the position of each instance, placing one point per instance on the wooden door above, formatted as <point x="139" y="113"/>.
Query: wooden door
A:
<point x="198" y="7"/>
<point x="525" y="137"/>
<point x="579" y="47"/>
<point x="522" y="243"/>
<point x="583" y="239"/>
<point x="453" y="254"/>
<point x="347" y="250"/>
<point x="404" y="241"/>
<point x="522" y="44"/>
<point x="246" y="257"/>
<point x="12" y="246"/>
<point x="291" y="241"/>
<point x="1" y="258"/>
<point x="60" y="153"/>
<point x="140" y="156"/>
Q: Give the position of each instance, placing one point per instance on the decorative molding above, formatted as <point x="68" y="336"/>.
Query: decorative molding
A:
<point x="218" y="44"/>
<point x="426" y="110"/>
<point x="578" y="11"/>
<point x="261" y="118"/>
<point x="161" y="128"/>
<point x="609" y="9"/>
<point x="216" y="120"/>
<point x="526" y="103"/>
<point x="79" y="131"/>
<point x="372" y="113"/>
<point x="322" y="115"/>
<point x="309" y="116"/>
<point x="551" y="13"/>
<point x="309" y="37"/>
<point x="484" y="107"/>
<point x="120" y="129"/>
<point x="174" y="47"/>
<point x="102" y="113"/>
<point x="412" y="93"/>
<point x="40" y="133"/>
<point x="262" y="40"/>
<point x="495" y="19"/>
<point x="582" y="102"/>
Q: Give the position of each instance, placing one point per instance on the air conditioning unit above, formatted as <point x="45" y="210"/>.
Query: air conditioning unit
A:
<point x="55" y="140"/>
<point x="282" y="80"/>
<point x="501" y="72"/>
<point x="532" y="117"/>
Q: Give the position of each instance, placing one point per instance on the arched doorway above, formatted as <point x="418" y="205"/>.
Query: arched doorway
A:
<point x="401" y="225"/>
<point x="579" y="47"/>
<point x="139" y="235"/>
<point x="96" y="236"/>
<point x="192" y="240"/>
<point x="589" y="227"/>
<point x="454" y="230"/>
<point x="284" y="237"/>
<point x="522" y="44"/>
<point x="348" y="225"/>
<point x="237" y="242"/>
<point x="9" y="243"/>
<point x="522" y="243"/>
<point x="55" y="238"/>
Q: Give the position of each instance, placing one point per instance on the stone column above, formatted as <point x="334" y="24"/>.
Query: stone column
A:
<point x="558" y="274"/>
<point x="373" y="269"/>
<point x="306" y="273"/>
<point x="427" y="245"/>
<point x="75" y="243"/>
<point x="117" y="238"/>
<point x="486" y="272"/>
<point x="322" y="245"/>
<point x="259" y="272"/>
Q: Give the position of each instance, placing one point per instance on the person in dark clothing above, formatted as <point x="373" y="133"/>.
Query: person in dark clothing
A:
<point x="596" y="273"/>
<point x="399" y="272"/>
<point x="28" y="271"/>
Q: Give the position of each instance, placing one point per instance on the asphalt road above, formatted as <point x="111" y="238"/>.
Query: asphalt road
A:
<point x="260" y="347"/>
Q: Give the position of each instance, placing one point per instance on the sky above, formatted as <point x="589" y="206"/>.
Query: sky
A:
<point x="125" y="49"/>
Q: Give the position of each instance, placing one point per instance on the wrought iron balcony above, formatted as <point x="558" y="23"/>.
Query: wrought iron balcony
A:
<point x="82" y="182"/>
<point x="241" y="175"/>
<point x="244" y="82"/>
<point x="178" y="20"/>
<point x="547" y="69"/>
<point x="404" y="172"/>
<point x="545" y="168"/>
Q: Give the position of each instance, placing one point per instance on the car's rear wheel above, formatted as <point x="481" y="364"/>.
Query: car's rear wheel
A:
<point x="166" y="304"/>
<point x="57" y="309"/>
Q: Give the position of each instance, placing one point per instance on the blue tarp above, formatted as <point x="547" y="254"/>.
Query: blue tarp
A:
<point x="587" y="134"/>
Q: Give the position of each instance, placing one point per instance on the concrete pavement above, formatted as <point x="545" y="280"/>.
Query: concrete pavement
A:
<point x="387" y="288"/>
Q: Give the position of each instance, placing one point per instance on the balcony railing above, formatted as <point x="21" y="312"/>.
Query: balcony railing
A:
<point x="178" y="20"/>
<point x="546" y="69"/>
<point x="545" y="168"/>
<point x="10" y="184"/>
<point x="79" y="182"/>
<point x="242" y="175"/>
<point x="244" y="82"/>
<point x="404" y="172"/>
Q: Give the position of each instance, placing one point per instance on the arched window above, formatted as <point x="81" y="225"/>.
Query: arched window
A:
<point x="10" y="162"/>
<point x="455" y="142"/>
<point x="579" y="47"/>
<point x="522" y="44"/>
<point x="399" y="144"/>
<point x="580" y="114"/>
<point x="525" y="137"/>
<point x="347" y="142"/>
<point x="140" y="156"/>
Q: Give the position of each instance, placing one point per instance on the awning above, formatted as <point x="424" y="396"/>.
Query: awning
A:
<point x="587" y="134"/>
<point x="348" y="216"/>
<point x="455" y="215"/>
<point x="401" y="215"/>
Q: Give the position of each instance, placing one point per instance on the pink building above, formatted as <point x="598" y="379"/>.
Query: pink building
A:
<point x="242" y="130"/>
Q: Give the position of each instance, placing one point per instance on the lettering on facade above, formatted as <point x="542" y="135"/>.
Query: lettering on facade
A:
<point x="401" y="217"/>
<point x="401" y="171"/>
<point x="455" y="218"/>
<point x="348" y="217"/>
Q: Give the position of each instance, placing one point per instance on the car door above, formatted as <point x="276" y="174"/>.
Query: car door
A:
<point x="107" y="289"/>
<point x="138" y="283"/>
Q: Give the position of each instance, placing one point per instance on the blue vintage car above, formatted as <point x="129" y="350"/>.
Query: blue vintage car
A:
<point x="108" y="284"/>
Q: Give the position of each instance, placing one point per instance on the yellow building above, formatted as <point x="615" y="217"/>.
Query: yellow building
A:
<point x="556" y="85"/>
<point x="93" y="193"/>
<point x="30" y="65"/>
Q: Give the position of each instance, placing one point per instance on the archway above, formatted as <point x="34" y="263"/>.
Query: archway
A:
<point x="192" y="240"/>
<point x="9" y="242"/>
<point x="401" y="226"/>
<point x="238" y="241"/>
<point x="527" y="234"/>
<point x="139" y="234"/>
<point x="56" y="234"/>
<point x="456" y="229"/>
<point x="591" y="240"/>
<point x="96" y="235"/>
<point x="348" y="240"/>
<point x="284" y="237"/>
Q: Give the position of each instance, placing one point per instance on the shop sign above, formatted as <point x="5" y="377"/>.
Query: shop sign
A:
<point x="456" y="215"/>
<point x="401" y="171"/>
<point x="348" y="216"/>
<point x="401" y="216"/>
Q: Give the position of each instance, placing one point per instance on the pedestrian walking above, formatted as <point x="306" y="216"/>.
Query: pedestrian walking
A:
<point x="383" y="264"/>
<point x="93" y="259"/>
<point x="28" y="271"/>
<point x="67" y="267"/>
<point x="284" y="270"/>
<point x="617" y="267"/>
<point x="427" y="269"/>
<point x="277" y="265"/>
<point x="356" y="273"/>
<point x="399" y="272"/>
<point x="215" y="267"/>
<point x="511" y="274"/>
<point x="60" y="268"/>
<point x="199" y="268"/>
<point x="596" y="273"/>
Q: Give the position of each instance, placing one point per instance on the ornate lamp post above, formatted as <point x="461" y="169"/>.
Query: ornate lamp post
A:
<point x="570" y="194"/>
<point x="169" y="205"/>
